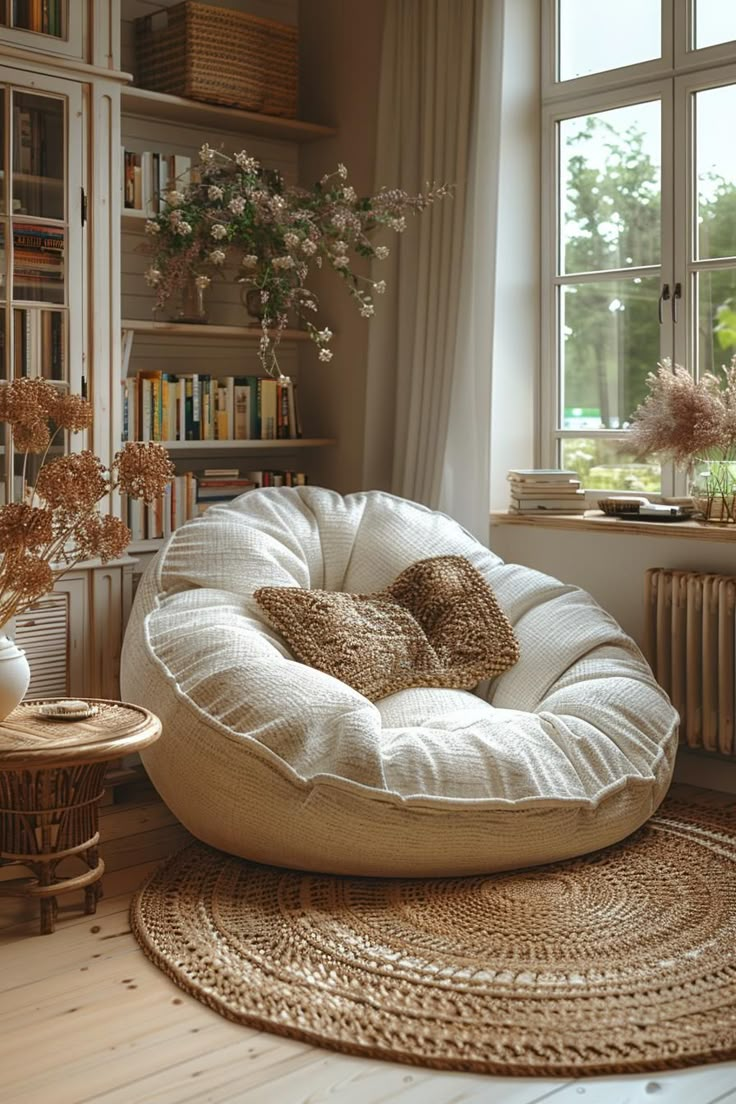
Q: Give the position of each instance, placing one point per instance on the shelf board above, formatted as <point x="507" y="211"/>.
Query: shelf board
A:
<point x="145" y="545"/>
<point x="193" y="329"/>
<point x="282" y="445"/>
<point x="46" y="181"/>
<point x="132" y="219"/>
<point x="175" y="109"/>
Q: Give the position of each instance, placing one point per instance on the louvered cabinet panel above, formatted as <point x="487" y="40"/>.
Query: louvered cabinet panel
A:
<point x="42" y="631"/>
<point x="111" y="600"/>
<point x="52" y="634"/>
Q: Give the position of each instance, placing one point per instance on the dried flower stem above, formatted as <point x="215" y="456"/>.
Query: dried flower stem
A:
<point x="59" y="522"/>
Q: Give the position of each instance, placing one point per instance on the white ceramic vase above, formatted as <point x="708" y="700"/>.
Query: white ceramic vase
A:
<point x="15" y="674"/>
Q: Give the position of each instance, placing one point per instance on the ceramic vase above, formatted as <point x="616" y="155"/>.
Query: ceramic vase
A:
<point x="15" y="674"/>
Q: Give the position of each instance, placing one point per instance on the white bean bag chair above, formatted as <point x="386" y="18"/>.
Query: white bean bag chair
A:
<point x="265" y="757"/>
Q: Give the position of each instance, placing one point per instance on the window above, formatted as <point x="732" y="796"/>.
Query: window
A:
<point x="639" y="219"/>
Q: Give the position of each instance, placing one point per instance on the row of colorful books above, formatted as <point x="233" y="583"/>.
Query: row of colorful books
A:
<point x="188" y="495"/>
<point x="545" y="490"/>
<point x="149" y="175"/>
<point x="38" y="261"/>
<point x="44" y="16"/>
<point x="159" y="406"/>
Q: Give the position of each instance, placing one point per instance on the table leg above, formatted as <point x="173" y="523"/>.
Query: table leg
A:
<point x="49" y="910"/>
<point x="93" y="892"/>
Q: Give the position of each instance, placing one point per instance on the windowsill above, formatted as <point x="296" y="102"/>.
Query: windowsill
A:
<point x="593" y="521"/>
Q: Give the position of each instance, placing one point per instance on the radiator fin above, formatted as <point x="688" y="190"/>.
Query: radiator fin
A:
<point x="690" y="642"/>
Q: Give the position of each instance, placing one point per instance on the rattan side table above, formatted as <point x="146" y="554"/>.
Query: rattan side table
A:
<point x="51" y="782"/>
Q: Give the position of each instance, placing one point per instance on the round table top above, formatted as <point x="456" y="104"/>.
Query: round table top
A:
<point x="30" y="740"/>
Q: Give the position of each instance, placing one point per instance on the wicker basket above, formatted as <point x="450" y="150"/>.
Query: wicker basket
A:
<point x="219" y="56"/>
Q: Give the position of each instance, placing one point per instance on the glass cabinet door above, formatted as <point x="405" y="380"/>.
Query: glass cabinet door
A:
<point x="41" y="256"/>
<point x="54" y="26"/>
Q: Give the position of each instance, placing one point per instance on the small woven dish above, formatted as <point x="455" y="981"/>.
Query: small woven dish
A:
<point x="54" y="711"/>
<point x="621" y="507"/>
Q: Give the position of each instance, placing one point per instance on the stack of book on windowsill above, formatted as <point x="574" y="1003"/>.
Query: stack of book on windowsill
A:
<point x="545" y="490"/>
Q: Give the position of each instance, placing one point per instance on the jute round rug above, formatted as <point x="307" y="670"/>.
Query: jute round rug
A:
<point x="617" y="962"/>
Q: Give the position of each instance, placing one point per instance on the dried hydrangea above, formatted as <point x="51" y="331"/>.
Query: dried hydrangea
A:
<point x="24" y="578"/>
<point x="270" y="235"/>
<point x="33" y="438"/>
<point x="24" y="526"/>
<point x="143" y="470"/>
<point x="72" y="483"/>
<point x="72" y="412"/>
<point x="101" y="537"/>
<point x="27" y="401"/>
<point x="60" y="523"/>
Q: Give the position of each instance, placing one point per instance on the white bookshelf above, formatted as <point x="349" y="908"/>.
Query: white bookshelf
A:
<point x="163" y="108"/>
<point x="205" y="330"/>
<point x="280" y="444"/>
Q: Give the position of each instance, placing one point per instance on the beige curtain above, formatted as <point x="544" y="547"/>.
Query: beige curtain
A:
<point x="429" y="357"/>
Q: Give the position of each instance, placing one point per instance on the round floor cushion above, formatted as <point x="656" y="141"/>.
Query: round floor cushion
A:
<point x="570" y="749"/>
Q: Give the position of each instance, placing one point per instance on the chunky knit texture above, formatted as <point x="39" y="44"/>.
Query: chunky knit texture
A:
<point x="613" y="963"/>
<point x="438" y="624"/>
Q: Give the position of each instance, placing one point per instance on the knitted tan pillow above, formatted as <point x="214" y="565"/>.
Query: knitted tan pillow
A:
<point x="438" y="624"/>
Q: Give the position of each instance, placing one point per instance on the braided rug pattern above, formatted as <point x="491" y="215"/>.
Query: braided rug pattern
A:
<point x="617" y="962"/>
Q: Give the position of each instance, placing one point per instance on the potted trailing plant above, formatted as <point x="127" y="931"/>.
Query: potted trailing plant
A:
<point x="237" y="217"/>
<point x="58" y="522"/>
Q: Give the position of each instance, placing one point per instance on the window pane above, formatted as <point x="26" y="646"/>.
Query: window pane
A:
<point x="38" y="156"/>
<point x="607" y="466"/>
<point x="716" y="307"/>
<point x="715" y="21"/>
<point x="39" y="343"/>
<point x="610" y="342"/>
<point x="716" y="172"/>
<point x="38" y="262"/>
<point x="594" y="37"/>
<point x="47" y="18"/>
<point x="610" y="188"/>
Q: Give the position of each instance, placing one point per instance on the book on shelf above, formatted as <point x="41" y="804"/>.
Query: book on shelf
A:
<point x="44" y="16"/>
<point x="190" y="493"/>
<point x="38" y="259"/>
<point x="268" y="399"/>
<point x="551" y="505"/>
<point x="148" y="174"/>
<point x="555" y="490"/>
<point x="159" y="406"/>
<point x="542" y="475"/>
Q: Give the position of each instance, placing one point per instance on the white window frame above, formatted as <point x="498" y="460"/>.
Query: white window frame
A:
<point x="686" y="262"/>
<point x="672" y="79"/>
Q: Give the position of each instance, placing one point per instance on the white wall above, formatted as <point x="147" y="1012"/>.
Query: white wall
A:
<point x="340" y="49"/>
<point x="516" y="339"/>
<point x="611" y="567"/>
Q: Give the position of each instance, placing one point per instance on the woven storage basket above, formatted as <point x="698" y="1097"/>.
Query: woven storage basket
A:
<point x="219" y="56"/>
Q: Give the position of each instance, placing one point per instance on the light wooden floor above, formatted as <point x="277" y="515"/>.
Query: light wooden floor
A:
<point x="84" y="1017"/>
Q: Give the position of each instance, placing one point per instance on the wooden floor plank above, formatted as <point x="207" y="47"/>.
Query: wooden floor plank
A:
<point x="19" y="919"/>
<point x="85" y="1000"/>
<point x="184" y="1080"/>
<point x="362" y="1081"/>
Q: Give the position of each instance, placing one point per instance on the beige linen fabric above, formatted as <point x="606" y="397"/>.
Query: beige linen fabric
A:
<point x="569" y="750"/>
